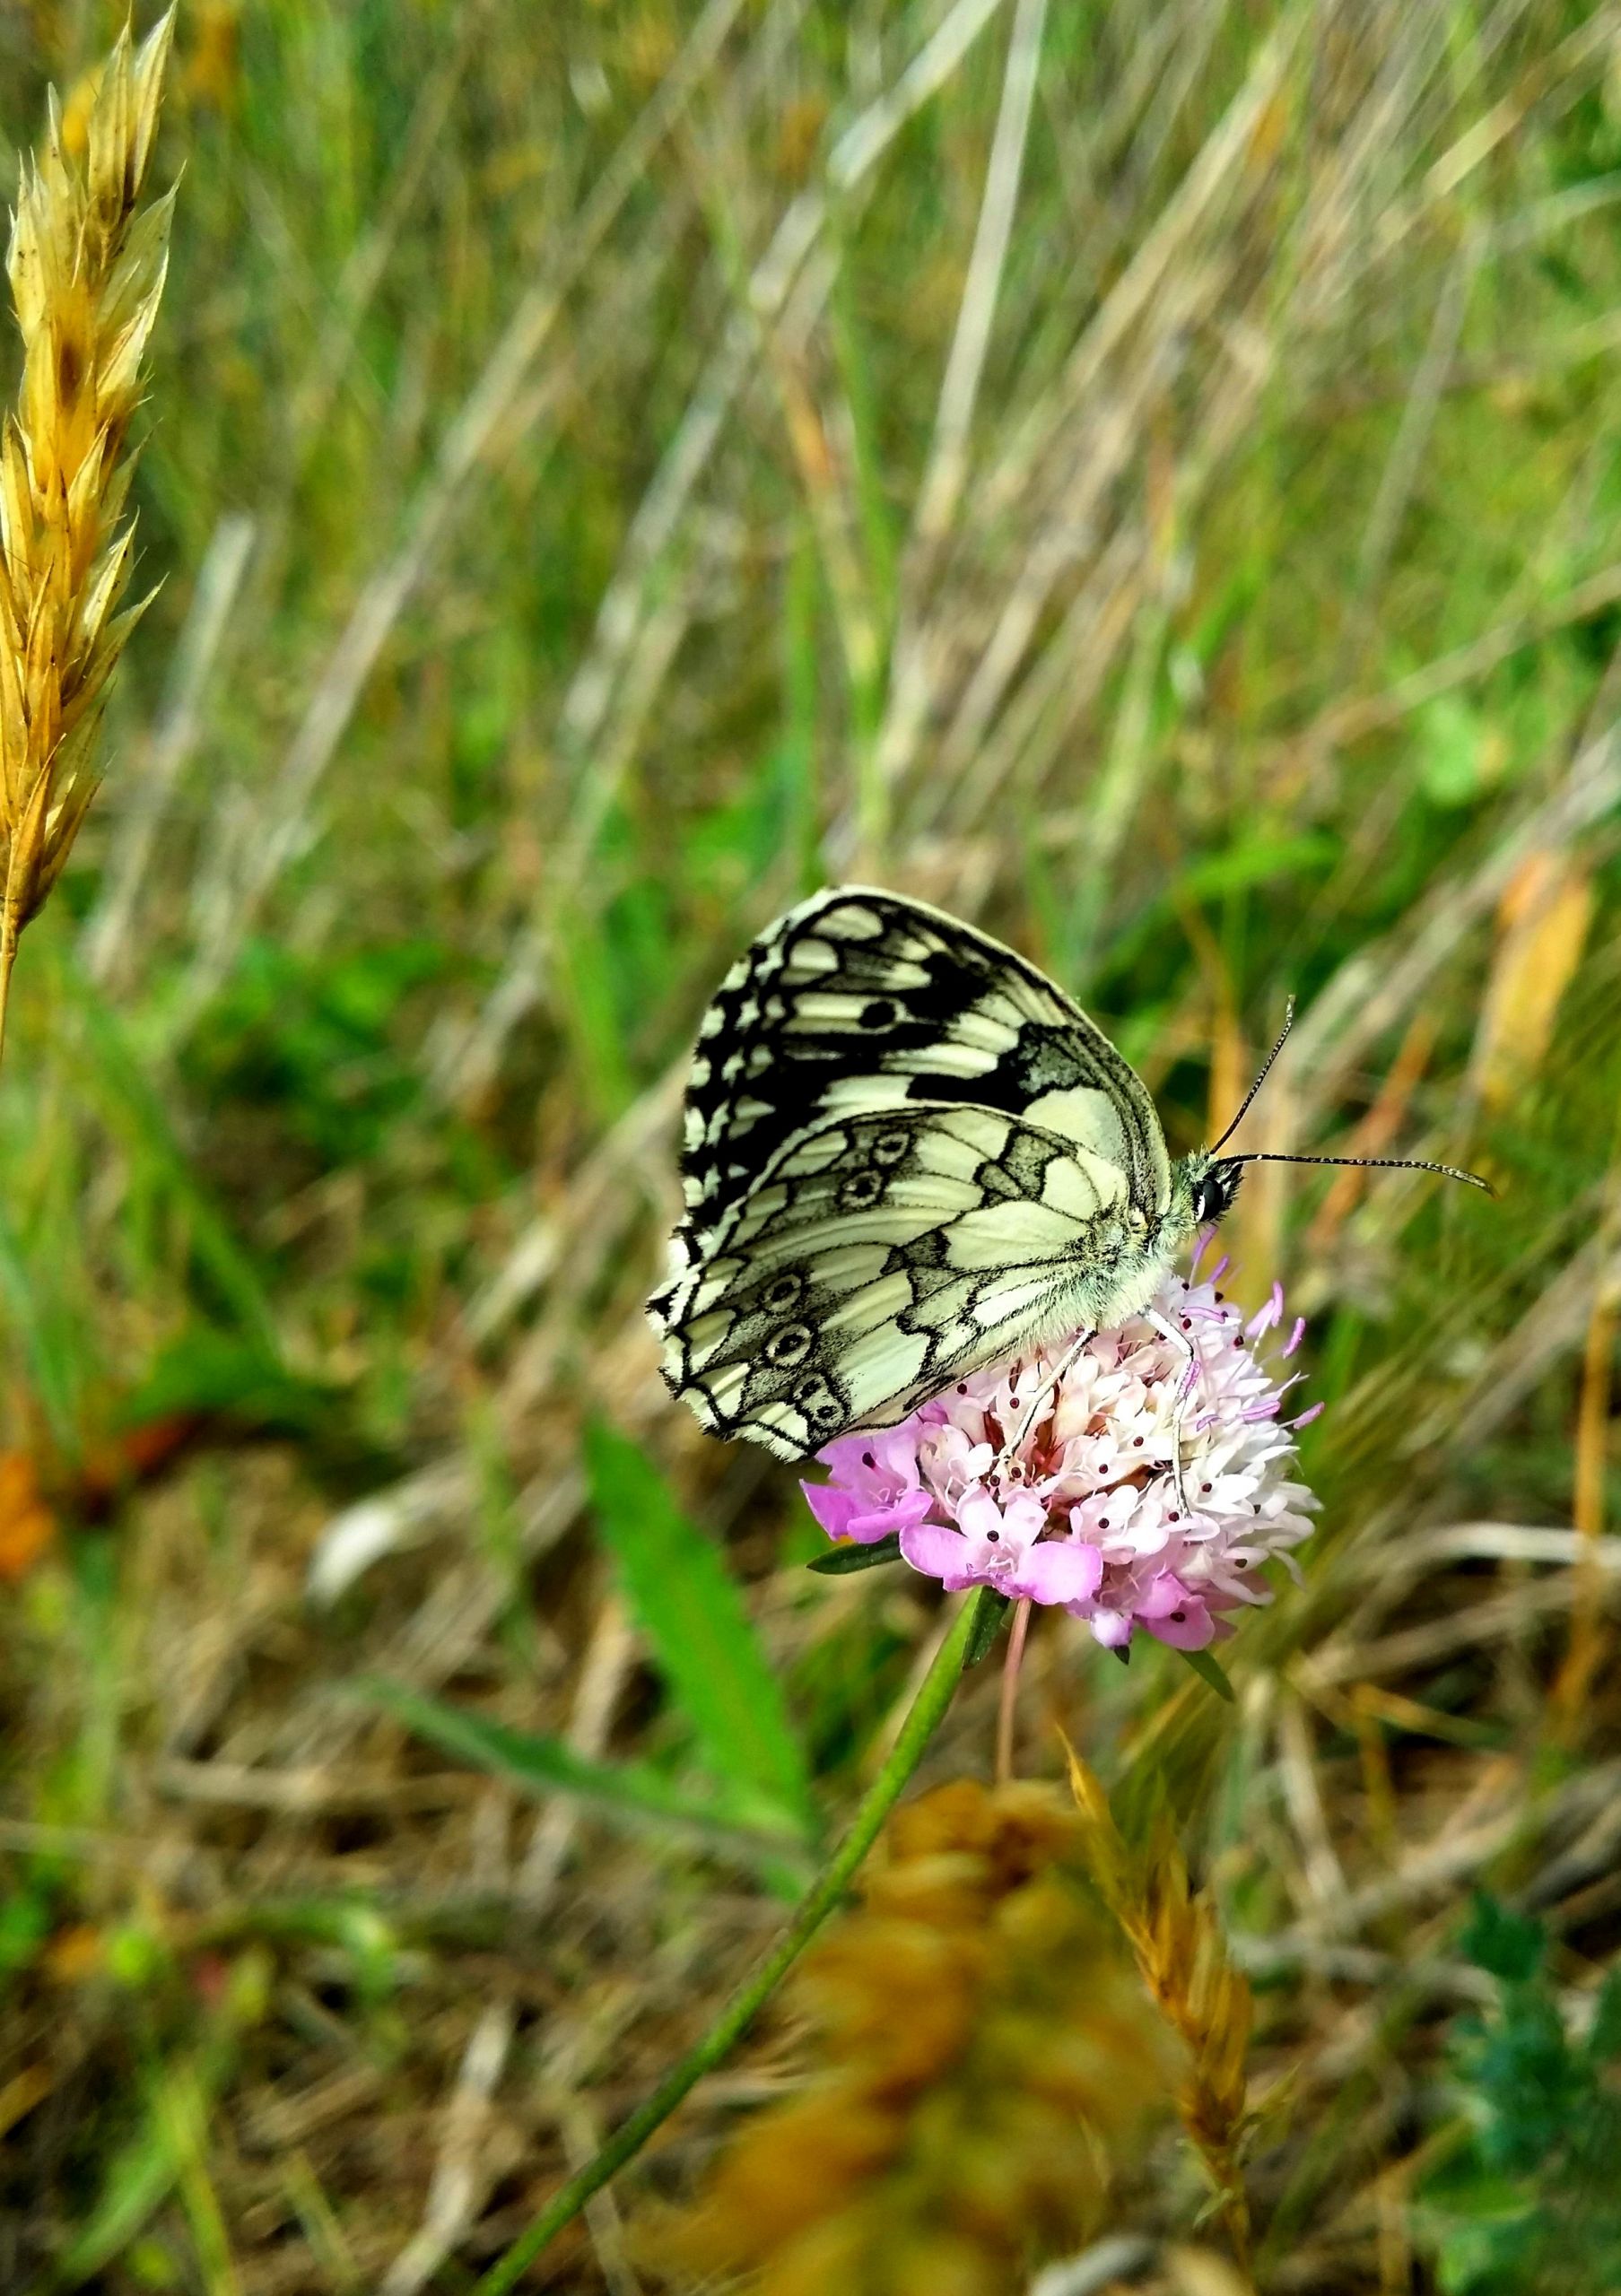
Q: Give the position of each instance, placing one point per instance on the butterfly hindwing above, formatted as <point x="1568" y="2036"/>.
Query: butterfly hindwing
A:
<point x="877" y="1257"/>
<point x="860" y="999"/>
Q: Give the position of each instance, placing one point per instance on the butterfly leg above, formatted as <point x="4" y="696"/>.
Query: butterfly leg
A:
<point x="1054" y="1380"/>
<point x="1185" y="1393"/>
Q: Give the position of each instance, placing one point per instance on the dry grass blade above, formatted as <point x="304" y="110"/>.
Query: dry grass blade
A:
<point x="87" y="262"/>
<point x="1182" y="1957"/>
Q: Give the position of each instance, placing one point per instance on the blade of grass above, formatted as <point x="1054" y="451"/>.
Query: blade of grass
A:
<point x="109" y="1074"/>
<point x="140" y="2176"/>
<point x="1208" y="1671"/>
<point x="45" y="1338"/>
<point x="543" y="1764"/>
<point x="691" y="1610"/>
<point x="180" y="2108"/>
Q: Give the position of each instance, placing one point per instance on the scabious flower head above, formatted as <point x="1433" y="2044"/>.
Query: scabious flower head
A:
<point x="1052" y="1478"/>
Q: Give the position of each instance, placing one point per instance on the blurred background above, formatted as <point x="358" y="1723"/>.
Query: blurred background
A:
<point x="1143" y="476"/>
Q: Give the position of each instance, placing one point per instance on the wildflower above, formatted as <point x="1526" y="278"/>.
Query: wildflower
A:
<point x="1052" y="1479"/>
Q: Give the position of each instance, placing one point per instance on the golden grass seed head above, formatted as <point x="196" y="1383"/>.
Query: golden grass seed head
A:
<point x="87" y="266"/>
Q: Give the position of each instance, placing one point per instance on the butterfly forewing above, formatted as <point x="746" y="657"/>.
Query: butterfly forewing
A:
<point x="906" y="1154"/>
<point x="858" y="999"/>
<point x="877" y="1257"/>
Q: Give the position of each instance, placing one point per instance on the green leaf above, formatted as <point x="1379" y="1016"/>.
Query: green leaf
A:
<point x="850" y="1555"/>
<point x="1205" y="1666"/>
<point x="1508" y="1945"/>
<point x="992" y="1618"/>
<point x="689" y="1606"/>
<point x="144" y="2170"/>
<point x="541" y="1764"/>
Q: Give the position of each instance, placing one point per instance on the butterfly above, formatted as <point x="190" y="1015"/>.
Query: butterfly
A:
<point x="906" y="1154"/>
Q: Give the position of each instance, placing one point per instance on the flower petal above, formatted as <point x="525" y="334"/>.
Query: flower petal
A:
<point x="895" y="1448"/>
<point x="1059" y="1570"/>
<point x="832" y="1507"/>
<point x="945" y="1555"/>
<point x="977" y="1514"/>
<point x="1191" y="1628"/>
<point x="1023" y="1519"/>
<point x="1087" y="1514"/>
<point x="1163" y="1594"/>
<point x="878" y="1522"/>
<point x="842" y="1457"/>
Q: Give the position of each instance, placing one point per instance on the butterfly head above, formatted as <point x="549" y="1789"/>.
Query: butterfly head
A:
<point x="1207" y="1184"/>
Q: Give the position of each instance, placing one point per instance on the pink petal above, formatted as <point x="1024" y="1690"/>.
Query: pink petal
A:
<point x="893" y="1453"/>
<point x="942" y="1555"/>
<point x="1023" y="1519"/>
<point x="1059" y="1570"/>
<point x="842" y="1457"/>
<point x="831" y="1506"/>
<point x="896" y="1452"/>
<point x="1191" y="1628"/>
<point x="977" y="1514"/>
<point x="1112" y="1628"/>
<point x="880" y="1521"/>
<point x="1163" y="1594"/>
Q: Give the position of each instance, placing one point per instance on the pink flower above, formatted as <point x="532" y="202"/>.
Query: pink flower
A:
<point x="875" y="1488"/>
<point x="1002" y="1546"/>
<point x="1053" y="1481"/>
<point x="1175" y="1614"/>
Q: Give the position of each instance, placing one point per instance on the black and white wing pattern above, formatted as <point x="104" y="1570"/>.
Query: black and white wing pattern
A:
<point x="861" y="999"/>
<point x="877" y="1257"/>
<point x="906" y="1152"/>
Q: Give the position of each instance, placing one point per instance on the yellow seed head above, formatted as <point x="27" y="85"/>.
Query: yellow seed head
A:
<point x="86" y="264"/>
<point x="1176" y="1938"/>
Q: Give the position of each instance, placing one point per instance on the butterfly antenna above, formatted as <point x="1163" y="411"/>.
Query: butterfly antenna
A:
<point x="1261" y="1080"/>
<point x="1380" y="1163"/>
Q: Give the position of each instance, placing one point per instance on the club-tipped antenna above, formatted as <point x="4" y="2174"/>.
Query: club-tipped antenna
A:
<point x="1261" y="1080"/>
<point x="1379" y="1163"/>
<point x="1359" y="1163"/>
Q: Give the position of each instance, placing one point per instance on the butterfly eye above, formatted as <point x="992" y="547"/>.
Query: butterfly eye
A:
<point x="788" y="1347"/>
<point x="1213" y="1194"/>
<point x="889" y="1147"/>
<point x="880" y="1013"/>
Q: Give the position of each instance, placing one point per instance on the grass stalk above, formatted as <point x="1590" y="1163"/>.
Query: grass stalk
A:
<point x="1008" y="1704"/>
<point x="926" y="1712"/>
<point x="1176" y="1940"/>
<point x="1567" y="1700"/>
<point x="87" y="262"/>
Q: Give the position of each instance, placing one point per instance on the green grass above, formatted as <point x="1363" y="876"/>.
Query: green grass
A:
<point x="1271" y="628"/>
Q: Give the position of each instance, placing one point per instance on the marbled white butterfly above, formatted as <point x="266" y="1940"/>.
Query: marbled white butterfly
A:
<point x="906" y="1154"/>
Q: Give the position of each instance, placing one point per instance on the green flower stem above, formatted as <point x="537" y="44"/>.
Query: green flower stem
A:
<point x="926" y="1711"/>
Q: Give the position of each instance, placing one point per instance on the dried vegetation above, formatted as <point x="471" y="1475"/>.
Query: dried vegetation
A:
<point x="1140" y="474"/>
<point x="86" y="264"/>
